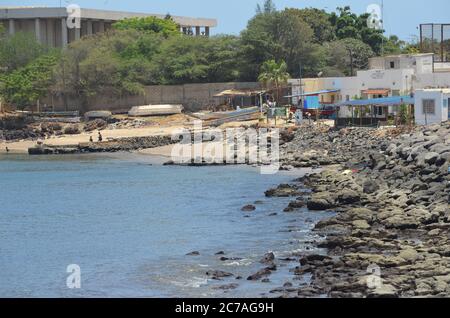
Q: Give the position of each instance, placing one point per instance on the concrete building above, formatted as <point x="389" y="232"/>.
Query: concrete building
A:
<point x="431" y="106"/>
<point x="57" y="27"/>
<point x="387" y="76"/>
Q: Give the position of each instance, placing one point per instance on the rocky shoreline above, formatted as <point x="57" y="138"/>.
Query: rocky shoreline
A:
<point x="122" y="144"/>
<point x="390" y="192"/>
<point x="391" y="234"/>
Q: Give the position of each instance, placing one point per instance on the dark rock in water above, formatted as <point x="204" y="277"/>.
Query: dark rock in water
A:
<point x="260" y="274"/>
<point x="224" y="259"/>
<point x="195" y="253"/>
<point x="265" y="280"/>
<point x="227" y="287"/>
<point x="248" y="208"/>
<point x="273" y="214"/>
<point x="268" y="258"/>
<point x="284" y="190"/>
<point x="295" y="205"/>
<point x="220" y="253"/>
<point x="218" y="274"/>
<point x="313" y="259"/>
<point x="320" y="201"/>
<point x="169" y="163"/>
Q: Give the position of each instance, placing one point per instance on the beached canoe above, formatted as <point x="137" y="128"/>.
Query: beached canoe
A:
<point x="155" y="110"/>
<point x="98" y="114"/>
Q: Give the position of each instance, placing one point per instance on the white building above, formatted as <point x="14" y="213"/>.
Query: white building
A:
<point x="396" y="75"/>
<point x="431" y="106"/>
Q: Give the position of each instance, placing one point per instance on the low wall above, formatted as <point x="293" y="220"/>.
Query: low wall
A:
<point x="193" y="97"/>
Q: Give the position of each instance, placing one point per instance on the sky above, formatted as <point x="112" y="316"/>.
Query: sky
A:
<point x="401" y="17"/>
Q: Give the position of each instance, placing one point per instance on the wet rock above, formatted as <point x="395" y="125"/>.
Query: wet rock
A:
<point x="260" y="274"/>
<point x="348" y="197"/>
<point x="268" y="258"/>
<point x="284" y="190"/>
<point x="217" y="275"/>
<point x="248" y="208"/>
<point x="320" y="201"/>
<point x="227" y="287"/>
<point x="194" y="253"/>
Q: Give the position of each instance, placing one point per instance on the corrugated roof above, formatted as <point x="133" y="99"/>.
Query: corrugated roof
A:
<point x="386" y="101"/>
<point x="237" y="92"/>
<point x="315" y="93"/>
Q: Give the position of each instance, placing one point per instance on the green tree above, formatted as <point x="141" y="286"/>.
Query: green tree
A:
<point x="268" y="7"/>
<point x="319" y="21"/>
<point x="347" y="54"/>
<point x="274" y="75"/>
<point x="198" y="60"/>
<point x="351" y="25"/>
<point x="19" y="50"/>
<point x="166" y="27"/>
<point x="279" y="36"/>
<point x="113" y="64"/>
<point x="25" y="86"/>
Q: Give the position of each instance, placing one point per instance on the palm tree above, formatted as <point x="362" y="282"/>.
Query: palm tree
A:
<point x="274" y="74"/>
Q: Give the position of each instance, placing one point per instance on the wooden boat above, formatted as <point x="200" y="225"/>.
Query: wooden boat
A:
<point x="155" y="110"/>
<point x="98" y="114"/>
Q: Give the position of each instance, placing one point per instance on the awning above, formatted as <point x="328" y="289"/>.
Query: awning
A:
<point x="314" y="93"/>
<point x="377" y="92"/>
<point x="236" y="92"/>
<point x="385" y="101"/>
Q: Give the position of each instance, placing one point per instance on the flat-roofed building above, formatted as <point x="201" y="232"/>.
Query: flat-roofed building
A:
<point x="57" y="27"/>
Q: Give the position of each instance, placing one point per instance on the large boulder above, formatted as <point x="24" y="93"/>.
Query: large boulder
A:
<point x="348" y="196"/>
<point x="320" y="201"/>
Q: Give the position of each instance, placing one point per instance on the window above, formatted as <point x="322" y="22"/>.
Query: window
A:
<point x="428" y="106"/>
<point x="392" y="64"/>
<point x="395" y="92"/>
<point x="379" y="110"/>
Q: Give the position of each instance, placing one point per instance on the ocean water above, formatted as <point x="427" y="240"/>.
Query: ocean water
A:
<point x="128" y="223"/>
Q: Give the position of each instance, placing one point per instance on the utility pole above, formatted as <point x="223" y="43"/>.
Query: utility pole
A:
<point x="382" y="27"/>
<point x="351" y="61"/>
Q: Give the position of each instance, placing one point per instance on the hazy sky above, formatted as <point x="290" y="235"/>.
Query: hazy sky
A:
<point x="401" y="16"/>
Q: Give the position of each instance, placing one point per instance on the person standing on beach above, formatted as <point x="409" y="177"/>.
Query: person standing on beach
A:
<point x="7" y="149"/>
<point x="91" y="140"/>
<point x="100" y="137"/>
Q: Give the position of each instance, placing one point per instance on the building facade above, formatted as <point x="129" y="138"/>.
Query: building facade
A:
<point x="57" y="27"/>
<point x="431" y="106"/>
<point x="387" y="76"/>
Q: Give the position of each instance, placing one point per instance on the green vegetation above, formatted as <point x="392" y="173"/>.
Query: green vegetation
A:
<point x="24" y="86"/>
<point x="166" y="27"/>
<point x="152" y="51"/>
<point x="274" y="75"/>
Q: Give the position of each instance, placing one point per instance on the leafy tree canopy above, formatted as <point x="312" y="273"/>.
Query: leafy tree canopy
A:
<point x="166" y="27"/>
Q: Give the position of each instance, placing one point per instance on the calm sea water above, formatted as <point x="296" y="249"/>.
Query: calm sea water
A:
<point x="128" y="222"/>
